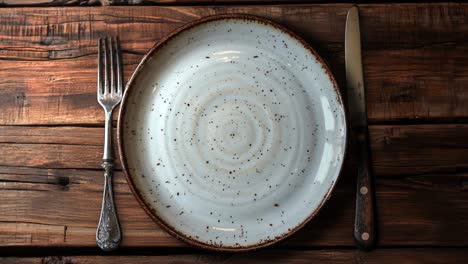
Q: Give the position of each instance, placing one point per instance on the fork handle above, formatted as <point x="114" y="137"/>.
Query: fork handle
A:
<point x="108" y="153"/>
<point x="364" y="218"/>
<point x="108" y="235"/>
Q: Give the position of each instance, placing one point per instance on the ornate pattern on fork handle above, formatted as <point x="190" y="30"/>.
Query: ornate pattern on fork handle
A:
<point x="108" y="234"/>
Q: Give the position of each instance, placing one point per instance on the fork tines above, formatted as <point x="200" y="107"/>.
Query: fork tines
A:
<point x="111" y="74"/>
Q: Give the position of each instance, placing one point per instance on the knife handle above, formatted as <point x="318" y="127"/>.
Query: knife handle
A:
<point x="364" y="220"/>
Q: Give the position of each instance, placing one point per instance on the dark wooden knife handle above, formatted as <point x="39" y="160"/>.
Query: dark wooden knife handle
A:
<point x="364" y="220"/>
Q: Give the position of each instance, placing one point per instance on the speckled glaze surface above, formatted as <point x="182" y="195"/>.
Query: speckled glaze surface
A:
<point x="232" y="133"/>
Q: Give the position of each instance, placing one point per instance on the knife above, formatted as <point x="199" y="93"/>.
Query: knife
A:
<point x="364" y="220"/>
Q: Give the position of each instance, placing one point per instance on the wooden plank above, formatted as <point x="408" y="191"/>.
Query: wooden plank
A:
<point x="404" y="86"/>
<point x="55" y="2"/>
<point x="51" y="155"/>
<point x="53" y="147"/>
<point x="406" y="214"/>
<point x="418" y="149"/>
<point x="50" y="3"/>
<point x="380" y="256"/>
<point x="69" y="135"/>
<point x="397" y="150"/>
<point x="415" y="55"/>
<point x="31" y="233"/>
<point x="417" y="168"/>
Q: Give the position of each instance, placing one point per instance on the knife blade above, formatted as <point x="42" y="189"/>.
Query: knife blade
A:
<point x="364" y="221"/>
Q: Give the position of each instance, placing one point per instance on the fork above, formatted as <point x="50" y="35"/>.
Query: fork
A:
<point x="109" y="94"/>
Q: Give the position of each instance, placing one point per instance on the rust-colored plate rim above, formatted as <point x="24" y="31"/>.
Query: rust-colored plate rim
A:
<point x="122" y="155"/>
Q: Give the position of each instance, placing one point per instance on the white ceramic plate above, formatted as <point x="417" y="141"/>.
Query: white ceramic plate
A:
<point x="232" y="133"/>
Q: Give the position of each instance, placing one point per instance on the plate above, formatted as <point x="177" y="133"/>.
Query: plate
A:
<point x="232" y="133"/>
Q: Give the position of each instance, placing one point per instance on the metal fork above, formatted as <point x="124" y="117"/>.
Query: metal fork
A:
<point x="109" y="94"/>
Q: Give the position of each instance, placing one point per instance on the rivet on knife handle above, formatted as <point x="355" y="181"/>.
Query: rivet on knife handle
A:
<point x="364" y="222"/>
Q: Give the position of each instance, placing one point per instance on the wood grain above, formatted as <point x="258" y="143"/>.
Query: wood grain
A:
<point x="49" y="3"/>
<point x="69" y="213"/>
<point x="419" y="149"/>
<point x="54" y="188"/>
<point x="416" y="71"/>
<point x="381" y="256"/>
<point x="396" y="150"/>
<point x="415" y="55"/>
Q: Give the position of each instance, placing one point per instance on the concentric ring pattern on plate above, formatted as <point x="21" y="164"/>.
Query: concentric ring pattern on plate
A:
<point x="232" y="133"/>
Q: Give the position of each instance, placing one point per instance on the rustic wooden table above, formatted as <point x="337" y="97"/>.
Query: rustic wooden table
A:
<point x="416" y="71"/>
